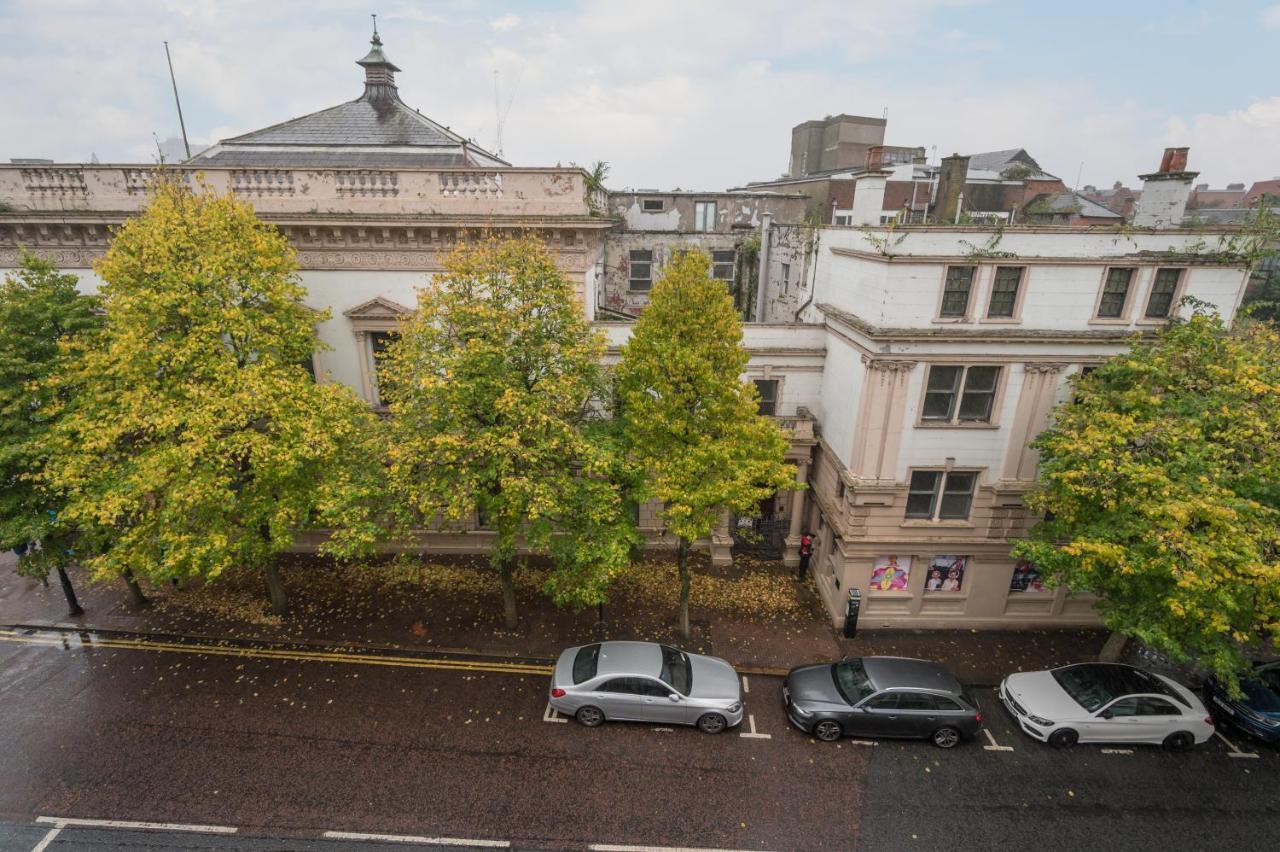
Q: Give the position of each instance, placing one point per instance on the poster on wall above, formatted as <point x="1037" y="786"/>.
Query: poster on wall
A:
<point x="1026" y="578"/>
<point x="890" y="573"/>
<point x="946" y="573"/>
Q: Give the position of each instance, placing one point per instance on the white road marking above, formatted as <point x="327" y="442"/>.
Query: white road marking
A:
<point x="864" y="742"/>
<point x="614" y="847"/>
<point x="430" y="841"/>
<point x="1235" y="751"/>
<point x="47" y="839"/>
<point x="1117" y="751"/>
<point x="63" y="822"/>
<point x="751" y="720"/>
<point x="665" y="730"/>
<point x="995" y="746"/>
<point x="746" y="687"/>
<point x="552" y="715"/>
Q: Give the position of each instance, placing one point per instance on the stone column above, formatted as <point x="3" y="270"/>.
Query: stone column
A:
<point x="722" y="542"/>
<point x="791" y="553"/>
<point x="1035" y="404"/>
<point x="878" y="431"/>
<point x="362" y="352"/>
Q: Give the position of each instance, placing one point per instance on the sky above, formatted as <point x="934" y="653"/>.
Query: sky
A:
<point x="692" y="94"/>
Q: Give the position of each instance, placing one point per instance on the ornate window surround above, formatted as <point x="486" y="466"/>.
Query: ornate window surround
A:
<point x="377" y="314"/>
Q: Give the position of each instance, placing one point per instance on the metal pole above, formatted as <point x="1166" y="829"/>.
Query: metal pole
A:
<point x="174" y="80"/>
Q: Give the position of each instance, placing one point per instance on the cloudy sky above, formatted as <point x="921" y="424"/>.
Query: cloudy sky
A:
<point x="687" y="93"/>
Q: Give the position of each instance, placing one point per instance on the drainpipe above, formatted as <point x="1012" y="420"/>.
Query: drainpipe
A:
<point x="813" y="278"/>
<point x="959" y="207"/>
<point x="762" y="277"/>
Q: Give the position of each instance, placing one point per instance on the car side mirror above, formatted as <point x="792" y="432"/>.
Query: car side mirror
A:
<point x="1106" y="714"/>
<point x="675" y="696"/>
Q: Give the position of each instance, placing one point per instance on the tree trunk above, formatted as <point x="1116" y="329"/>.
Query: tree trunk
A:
<point x="279" y="601"/>
<point x="510" y="617"/>
<point x="1114" y="647"/>
<point x="139" y="598"/>
<point x="73" y="605"/>
<point x="682" y="561"/>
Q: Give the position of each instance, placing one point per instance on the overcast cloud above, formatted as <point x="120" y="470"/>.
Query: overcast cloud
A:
<point x="689" y="93"/>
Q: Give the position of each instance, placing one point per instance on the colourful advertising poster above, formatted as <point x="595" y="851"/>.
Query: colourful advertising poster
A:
<point x="890" y="573"/>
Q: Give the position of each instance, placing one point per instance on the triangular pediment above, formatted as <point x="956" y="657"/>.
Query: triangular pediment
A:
<point x="377" y="309"/>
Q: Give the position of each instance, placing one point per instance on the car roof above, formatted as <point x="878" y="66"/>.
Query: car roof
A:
<point x="1121" y="680"/>
<point x="629" y="658"/>
<point x="907" y="673"/>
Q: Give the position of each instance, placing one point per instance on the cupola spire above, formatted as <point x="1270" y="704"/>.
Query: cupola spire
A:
<point x="379" y="72"/>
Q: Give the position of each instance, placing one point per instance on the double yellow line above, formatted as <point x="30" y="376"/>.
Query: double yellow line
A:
<point x="64" y="641"/>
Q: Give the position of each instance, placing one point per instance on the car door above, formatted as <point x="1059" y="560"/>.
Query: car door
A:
<point x="917" y="715"/>
<point x="658" y="705"/>
<point x="1160" y="718"/>
<point x="1119" y="721"/>
<point x="875" y="717"/>
<point x="618" y="699"/>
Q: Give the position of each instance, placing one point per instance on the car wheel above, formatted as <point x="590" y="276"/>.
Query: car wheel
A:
<point x="1063" y="738"/>
<point x="589" y="716"/>
<point x="946" y="738"/>
<point x="828" y="730"/>
<point x="1179" y="741"/>
<point x="712" y="723"/>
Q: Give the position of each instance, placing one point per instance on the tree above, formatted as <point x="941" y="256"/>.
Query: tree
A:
<point x="1162" y="480"/>
<point x="689" y="422"/>
<point x="495" y="390"/>
<point x="41" y="313"/>
<point x="200" y="442"/>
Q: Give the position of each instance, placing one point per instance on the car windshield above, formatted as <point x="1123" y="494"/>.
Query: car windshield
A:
<point x="585" y="663"/>
<point x="1094" y="686"/>
<point x="852" y="681"/>
<point x="1263" y="689"/>
<point x="676" y="670"/>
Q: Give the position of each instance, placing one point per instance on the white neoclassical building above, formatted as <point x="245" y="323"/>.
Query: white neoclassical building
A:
<point x="913" y="365"/>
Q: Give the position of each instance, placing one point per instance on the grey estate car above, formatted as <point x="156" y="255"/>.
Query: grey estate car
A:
<point x="646" y="682"/>
<point x="880" y="697"/>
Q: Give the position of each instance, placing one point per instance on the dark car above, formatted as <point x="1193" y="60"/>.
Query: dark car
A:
<point x="1258" y="712"/>
<point x="880" y="697"/>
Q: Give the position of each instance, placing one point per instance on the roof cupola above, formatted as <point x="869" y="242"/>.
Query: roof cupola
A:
<point x="379" y="72"/>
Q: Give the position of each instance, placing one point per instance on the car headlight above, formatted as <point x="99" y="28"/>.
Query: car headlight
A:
<point x="1044" y="723"/>
<point x="734" y="707"/>
<point x="800" y="711"/>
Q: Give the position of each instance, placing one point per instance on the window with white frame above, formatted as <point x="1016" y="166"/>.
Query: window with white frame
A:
<point x="937" y="495"/>
<point x="1163" y="291"/>
<point x="956" y="291"/>
<point x="640" y="274"/>
<point x="653" y="205"/>
<point x="1004" y="292"/>
<point x="704" y="216"/>
<point x="786" y="275"/>
<point x="960" y="394"/>
<point x="722" y="264"/>
<point x="1115" y="293"/>
<point x="768" y="389"/>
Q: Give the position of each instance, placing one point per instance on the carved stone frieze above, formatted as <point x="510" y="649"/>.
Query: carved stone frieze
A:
<point x="892" y="365"/>
<point x="1044" y="367"/>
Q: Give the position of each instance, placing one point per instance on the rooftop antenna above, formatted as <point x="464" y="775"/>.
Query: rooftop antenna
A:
<point x="500" y="112"/>
<point x="1079" y="172"/>
<point x="159" y="150"/>
<point x="181" y="123"/>
<point x="375" y="25"/>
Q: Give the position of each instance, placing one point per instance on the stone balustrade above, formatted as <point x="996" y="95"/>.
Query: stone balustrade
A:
<point x="452" y="192"/>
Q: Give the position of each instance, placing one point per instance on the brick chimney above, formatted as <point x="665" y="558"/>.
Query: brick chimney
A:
<point x="952" y="175"/>
<point x="1165" y="193"/>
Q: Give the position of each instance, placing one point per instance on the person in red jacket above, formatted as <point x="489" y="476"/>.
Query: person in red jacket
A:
<point x="806" y="550"/>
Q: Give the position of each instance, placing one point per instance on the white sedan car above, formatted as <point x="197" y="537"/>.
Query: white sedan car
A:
<point x="1105" y="703"/>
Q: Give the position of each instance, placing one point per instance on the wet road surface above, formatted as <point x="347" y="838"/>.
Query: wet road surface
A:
<point x="282" y="746"/>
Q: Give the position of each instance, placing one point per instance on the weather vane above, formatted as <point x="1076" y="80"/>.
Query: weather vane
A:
<point x="375" y="25"/>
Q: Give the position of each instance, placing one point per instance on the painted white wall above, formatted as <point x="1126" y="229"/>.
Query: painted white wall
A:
<point x="837" y="405"/>
<point x="1163" y="202"/>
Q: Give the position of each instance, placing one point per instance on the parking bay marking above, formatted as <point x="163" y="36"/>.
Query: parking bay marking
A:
<point x="430" y="841"/>
<point x="995" y="746"/>
<point x="746" y="687"/>
<point x="751" y="720"/>
<point x="60" y="823"/>
<point x="1235" y="750"/>
<point x="1117" y="751"/>
<point x="553" y="715"/>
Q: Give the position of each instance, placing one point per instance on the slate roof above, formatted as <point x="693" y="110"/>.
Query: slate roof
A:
<point x="351" y="134"/>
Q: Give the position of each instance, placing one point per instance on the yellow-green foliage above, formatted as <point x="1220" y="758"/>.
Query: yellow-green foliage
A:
<point x="199" y="442"/>
<point x="1163" y="480"/>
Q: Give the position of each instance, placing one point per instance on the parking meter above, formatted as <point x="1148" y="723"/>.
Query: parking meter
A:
<point x="851" y="609"/>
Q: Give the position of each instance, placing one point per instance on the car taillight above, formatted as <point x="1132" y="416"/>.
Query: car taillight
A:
<point x="978" y="718"/>
<point x="1208" y="720"/>
<point x="557" y="693"/>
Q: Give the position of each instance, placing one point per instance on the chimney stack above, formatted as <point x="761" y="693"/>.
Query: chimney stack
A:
<point x="952" y="176"/>
<point x="1165" y="193"/>
<point x="875" y="158"/>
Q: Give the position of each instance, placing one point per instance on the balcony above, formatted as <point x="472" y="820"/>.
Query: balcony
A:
<point x="464" y="193"/>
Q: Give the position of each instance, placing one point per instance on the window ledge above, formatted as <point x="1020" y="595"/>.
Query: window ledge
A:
<point x="1112" y="322"/>
<point x="951" y="320"/>
<point x="920" y="523"/>
<point x="632" y="292"/>
<point x="929" y="424"/>
<point x="1153" y="320"/>
<point x="1002" y="320"/>
<point x="902" y="596"/>
<point x="938" y="593"/>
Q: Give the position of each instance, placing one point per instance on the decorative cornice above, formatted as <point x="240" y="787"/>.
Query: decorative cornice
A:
<point x="840" y="317"/>
<point x="1044" y="367"/>
<point x="891" y="365"/>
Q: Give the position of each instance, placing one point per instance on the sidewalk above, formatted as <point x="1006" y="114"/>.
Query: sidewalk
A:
<point x="761" y="620"/>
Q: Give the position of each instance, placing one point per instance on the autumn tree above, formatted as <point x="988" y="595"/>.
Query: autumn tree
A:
<point x="495" y="388"/>
<point x="41" y="314"/>
<point x="689" y="422"/>
<point x="1162" y="483"/>
<point x="200" y="442"/>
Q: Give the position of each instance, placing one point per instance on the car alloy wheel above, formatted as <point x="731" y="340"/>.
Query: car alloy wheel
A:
<point x="1179" y="741"/>
<point x="712" y="723"/>
<point x="827" y="730"/>
<point x="946" y="738"/>
<point x="1063" y="738"/>
<point x="589" y="716"/>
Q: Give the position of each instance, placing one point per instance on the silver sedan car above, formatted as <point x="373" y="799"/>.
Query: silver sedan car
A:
<point x="646" y="682"/>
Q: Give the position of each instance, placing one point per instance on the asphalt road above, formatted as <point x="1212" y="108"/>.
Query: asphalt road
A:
<point x="277" y="748"/>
